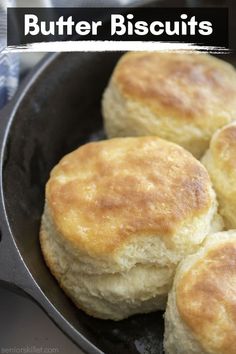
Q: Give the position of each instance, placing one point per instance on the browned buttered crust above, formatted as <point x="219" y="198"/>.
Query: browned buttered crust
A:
<point x="184" y="86"/>
<point x="206" y="299"/>
<point x="104" y="193"/>
<point x="220" y="161"/>
<point x="223" y="148"/>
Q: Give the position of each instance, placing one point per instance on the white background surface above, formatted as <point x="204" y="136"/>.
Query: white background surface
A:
<point x="23" y="324"/>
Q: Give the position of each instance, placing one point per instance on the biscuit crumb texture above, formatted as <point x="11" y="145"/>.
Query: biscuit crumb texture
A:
<point x="220" y="161"/>
<point x="119" y="216"/>
<point x="183" y="98"/>
<point x="200" y="315"/>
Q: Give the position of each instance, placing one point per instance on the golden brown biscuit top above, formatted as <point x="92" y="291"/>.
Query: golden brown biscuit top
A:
<point x="186" y="86"/>
<point x="105" y="192"/>
<point x="223" y="147"/>
<point x="206" y="299"/>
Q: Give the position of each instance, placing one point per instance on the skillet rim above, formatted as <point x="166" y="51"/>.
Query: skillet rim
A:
<point x="23" y="279"/>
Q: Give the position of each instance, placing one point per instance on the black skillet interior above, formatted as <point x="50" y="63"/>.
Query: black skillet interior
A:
<point x="61" y="111"/>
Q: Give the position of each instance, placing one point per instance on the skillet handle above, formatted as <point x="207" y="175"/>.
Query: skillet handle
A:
<point x="13" y="272"/>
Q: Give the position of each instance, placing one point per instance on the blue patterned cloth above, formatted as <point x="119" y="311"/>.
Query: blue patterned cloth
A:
<point x="9" y="63"/>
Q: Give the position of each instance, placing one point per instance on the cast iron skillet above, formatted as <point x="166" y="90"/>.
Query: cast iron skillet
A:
<point x="56" y="110"/>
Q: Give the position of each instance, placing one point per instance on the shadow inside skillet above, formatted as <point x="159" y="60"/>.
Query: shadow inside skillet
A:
<point x="61" y="111"/>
